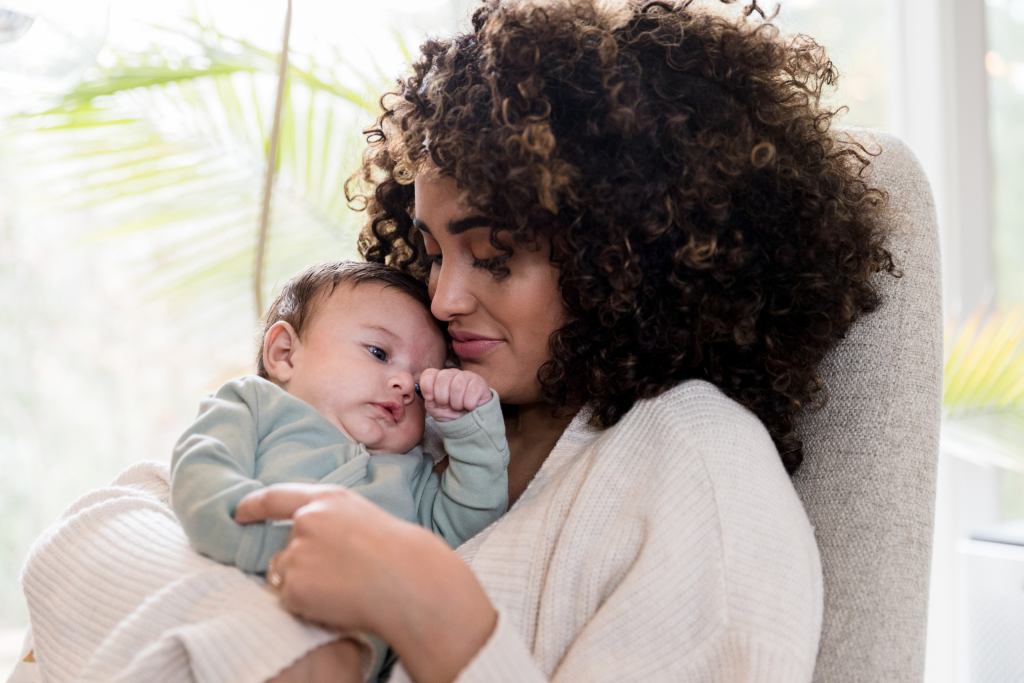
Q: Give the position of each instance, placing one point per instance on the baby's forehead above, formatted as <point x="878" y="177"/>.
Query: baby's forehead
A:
<point x="377" y="300"/>
<point x="386" y="310"/>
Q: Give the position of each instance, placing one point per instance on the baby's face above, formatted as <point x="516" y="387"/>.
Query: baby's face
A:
<point x="359" y="359"/>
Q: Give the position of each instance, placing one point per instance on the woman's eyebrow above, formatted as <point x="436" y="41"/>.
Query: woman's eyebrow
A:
<point x="456" y="227"/>
<point x="464" y="224"/>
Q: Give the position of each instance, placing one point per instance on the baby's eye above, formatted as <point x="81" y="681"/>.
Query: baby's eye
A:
<point x="378" y="353"/>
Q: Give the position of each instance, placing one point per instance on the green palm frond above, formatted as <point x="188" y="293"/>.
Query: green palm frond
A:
<point x="983" y="388"/>
<point x="171" y="145"/>
<point x="984" y="373"/>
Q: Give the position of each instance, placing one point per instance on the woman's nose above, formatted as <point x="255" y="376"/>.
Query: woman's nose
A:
<point x="451" y="297"/>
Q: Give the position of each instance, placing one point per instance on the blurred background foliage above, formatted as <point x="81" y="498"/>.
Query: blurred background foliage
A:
<point x="170" y="147"/>
<point x="983" y="397"/>
<point x="984" y="371"/>
<point x="129" y="206"/>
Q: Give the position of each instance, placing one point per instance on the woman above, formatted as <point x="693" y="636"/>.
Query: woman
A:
<point x="643" y="235"/>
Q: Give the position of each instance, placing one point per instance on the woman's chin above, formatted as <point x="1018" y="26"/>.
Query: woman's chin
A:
<point x="491" y="374"/>
<point x="514" y="385"/>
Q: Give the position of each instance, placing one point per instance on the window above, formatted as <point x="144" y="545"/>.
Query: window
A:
<point x="1004" y="62"/>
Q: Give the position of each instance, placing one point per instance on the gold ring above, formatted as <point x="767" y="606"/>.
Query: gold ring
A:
<point x="274" y="577"/>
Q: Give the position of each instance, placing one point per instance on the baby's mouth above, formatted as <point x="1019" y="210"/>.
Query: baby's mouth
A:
<point x="392" y="409"/>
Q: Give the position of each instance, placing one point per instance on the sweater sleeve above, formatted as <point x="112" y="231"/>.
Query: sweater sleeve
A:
<point x="115" y="593"/>
<point x="473" y="491"/>
<point x="213" y="467"/>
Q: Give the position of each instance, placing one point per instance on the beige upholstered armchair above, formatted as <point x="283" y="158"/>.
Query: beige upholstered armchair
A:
<point x="868" y="478"/>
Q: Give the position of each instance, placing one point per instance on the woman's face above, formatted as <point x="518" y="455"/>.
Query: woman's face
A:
<point x="500" y="324"/>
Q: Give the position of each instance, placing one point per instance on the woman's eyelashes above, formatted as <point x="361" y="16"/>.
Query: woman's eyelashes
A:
<point x="497" y="265"/>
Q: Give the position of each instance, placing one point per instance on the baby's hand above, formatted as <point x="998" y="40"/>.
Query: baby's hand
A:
<point x="451" y="393"/>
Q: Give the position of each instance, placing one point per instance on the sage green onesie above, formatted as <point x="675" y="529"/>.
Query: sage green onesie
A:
<point x="252" y="433"/>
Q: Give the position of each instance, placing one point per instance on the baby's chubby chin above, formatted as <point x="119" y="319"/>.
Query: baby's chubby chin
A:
<point x="392" y="438"/>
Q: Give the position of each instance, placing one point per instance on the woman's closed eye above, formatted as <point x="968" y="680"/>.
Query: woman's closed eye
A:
<point x="475" y="240"/>
<point x="378" y="353"/>
<point x="495" y="264"/>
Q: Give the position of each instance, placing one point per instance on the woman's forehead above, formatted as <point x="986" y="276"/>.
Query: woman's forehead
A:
<point x="435" y="190"/>
<point x="440" y="204"/>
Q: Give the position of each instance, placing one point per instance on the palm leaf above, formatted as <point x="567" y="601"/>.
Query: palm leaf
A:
<point x="984" y="371"/>
<point x="983" y="392"/>
<point x="171" y="148"/>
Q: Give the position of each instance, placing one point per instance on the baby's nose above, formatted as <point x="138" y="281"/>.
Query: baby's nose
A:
<point x="404" y="383"/>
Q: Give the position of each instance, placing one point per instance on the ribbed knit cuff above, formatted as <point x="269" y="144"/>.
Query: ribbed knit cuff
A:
<point x="503" y="659"/>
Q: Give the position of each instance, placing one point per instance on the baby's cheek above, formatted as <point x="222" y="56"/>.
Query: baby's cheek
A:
<point x="371" y="434"/>
<point x="413" y="429"/>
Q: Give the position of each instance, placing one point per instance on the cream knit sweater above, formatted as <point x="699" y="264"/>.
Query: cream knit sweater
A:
<point x="671" y="547"/>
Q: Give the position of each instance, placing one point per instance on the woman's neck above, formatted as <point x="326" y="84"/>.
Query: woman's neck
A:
<point x="532" y="431"/>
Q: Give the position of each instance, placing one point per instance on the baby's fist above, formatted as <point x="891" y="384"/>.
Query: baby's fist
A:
<point x="451" y="393"/>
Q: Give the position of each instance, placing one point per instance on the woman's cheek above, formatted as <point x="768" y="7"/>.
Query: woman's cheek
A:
<point x="432" y="282"/>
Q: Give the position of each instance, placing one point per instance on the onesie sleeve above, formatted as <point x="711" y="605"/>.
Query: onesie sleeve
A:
<point x="473" y="491"/>
<point x="212" y="469"/>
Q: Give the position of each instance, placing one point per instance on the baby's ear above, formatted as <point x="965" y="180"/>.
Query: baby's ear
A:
<point x="278" y="350"/>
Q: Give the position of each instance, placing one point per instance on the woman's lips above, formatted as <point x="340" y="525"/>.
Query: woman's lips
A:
<point x="468" y="345"/>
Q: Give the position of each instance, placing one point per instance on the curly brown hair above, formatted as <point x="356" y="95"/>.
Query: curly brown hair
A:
<point x="705" y="221"/>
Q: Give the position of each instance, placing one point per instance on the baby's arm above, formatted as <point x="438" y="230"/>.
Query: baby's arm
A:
<point x="473" y="491"/>
<point x="212" y="469"/>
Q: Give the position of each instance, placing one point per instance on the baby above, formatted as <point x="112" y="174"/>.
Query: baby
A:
<point x="337" y="402"/>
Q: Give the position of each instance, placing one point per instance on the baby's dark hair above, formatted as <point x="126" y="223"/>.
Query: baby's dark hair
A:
<point x="298" y="300"/>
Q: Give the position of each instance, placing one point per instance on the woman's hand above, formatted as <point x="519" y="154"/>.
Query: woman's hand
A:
<point x="335" y="662"/>
<point x="351" y="565"/>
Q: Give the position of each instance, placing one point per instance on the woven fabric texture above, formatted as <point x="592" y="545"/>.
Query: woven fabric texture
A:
<point x="868" y="478"/>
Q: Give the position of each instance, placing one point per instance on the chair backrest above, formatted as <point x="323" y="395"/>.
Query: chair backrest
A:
<point x="868" y="477"/>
